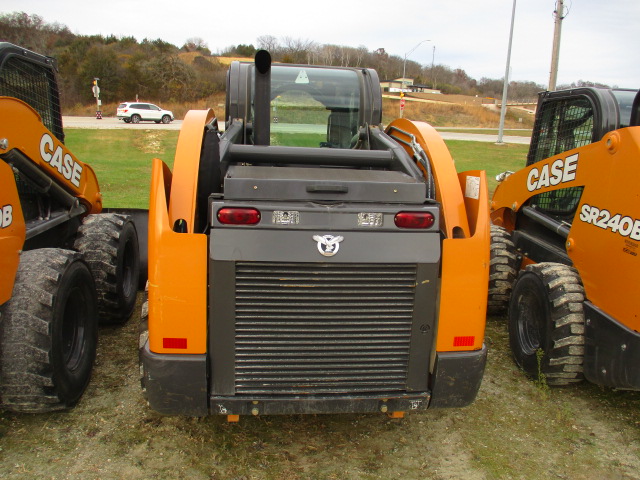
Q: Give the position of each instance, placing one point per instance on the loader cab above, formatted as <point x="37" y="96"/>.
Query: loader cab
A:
<point x="308" y="106"/>
<point x="570" y="119"/>
<point x="31" y="77"/>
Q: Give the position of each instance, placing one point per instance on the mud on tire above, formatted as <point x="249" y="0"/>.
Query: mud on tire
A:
<point x="546" y="314"/>
<point x="48" y="332"/>
<point x="109" y="244"/>
<point x="503" y="270"/>
<point x="143" y="335"/>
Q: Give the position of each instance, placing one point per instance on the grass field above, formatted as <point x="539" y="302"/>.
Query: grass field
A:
<point x="122" y="159"/>
<point x="492" y="158"/>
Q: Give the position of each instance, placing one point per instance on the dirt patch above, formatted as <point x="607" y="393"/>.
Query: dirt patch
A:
<point x="513" y="430"/>
<point x="149" y="141"/>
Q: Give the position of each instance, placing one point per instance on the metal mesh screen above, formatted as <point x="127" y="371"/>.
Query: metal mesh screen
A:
<point x="323" y="328"/>
<point x="35" y="85"/>
<point x="564" y="125"/>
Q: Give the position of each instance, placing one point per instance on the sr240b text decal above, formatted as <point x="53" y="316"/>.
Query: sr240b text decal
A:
<point x="624" y="225"/>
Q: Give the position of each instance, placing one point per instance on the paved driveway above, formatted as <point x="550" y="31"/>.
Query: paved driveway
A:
<point x="112" y="122"/>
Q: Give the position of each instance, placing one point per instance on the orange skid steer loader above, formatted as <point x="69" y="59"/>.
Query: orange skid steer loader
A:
<point x="566" y="241"/>
<point x="307" y="260"/>
<point x="64" y="265"/>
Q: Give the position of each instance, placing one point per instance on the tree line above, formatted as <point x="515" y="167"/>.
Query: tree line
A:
<point x="156" y="70"/>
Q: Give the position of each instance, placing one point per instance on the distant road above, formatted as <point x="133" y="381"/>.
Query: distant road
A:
<point x="483" y="137"/>
<point x="112" y="123"/>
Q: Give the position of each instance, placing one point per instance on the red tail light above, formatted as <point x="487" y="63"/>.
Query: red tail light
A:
<point x="414" y="219"/>
<point x="464" y="341"/>
<point x="180" y="343"/>
<point x="238" y="216"/>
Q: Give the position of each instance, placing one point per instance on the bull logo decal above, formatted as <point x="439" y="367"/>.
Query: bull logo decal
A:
<point x="328" y="245"/>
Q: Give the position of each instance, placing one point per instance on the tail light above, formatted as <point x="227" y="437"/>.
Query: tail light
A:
<point x="238" y="216"/>
<point x="178" y="343"/>
<point x="414" y="219"/>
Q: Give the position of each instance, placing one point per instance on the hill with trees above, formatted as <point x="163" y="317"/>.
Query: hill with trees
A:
<point x="155" y="70"/>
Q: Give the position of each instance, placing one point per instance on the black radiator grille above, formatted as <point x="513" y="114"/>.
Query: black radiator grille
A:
<point x="322" y="328"/>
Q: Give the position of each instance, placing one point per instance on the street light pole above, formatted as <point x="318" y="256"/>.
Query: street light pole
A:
<point x="404" y="69"/>
<point x="503" y="107"/>
<point x="559" y="15"/>
<point x="433" y="78"/>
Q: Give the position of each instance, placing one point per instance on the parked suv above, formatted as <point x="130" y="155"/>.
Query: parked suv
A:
<point x="134" y="112"/>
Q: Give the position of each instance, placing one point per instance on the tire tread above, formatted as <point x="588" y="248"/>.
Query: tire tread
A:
<point x="27" y="381"/>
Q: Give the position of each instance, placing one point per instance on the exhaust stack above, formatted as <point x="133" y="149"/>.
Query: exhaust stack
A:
<point x="262" y="99"/>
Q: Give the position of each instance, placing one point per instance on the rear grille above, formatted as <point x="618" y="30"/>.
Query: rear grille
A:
<point x="322" y="328"/>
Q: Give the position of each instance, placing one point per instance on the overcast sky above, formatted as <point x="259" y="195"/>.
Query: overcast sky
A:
<point x="599" y="38"/>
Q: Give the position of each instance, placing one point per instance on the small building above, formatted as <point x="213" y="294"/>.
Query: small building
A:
<point x="405" y="85"/>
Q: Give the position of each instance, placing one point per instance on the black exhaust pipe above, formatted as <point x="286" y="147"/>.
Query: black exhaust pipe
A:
<point x="262" y="99"/>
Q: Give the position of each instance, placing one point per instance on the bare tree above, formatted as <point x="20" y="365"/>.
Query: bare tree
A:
<point x="295" y="49"/>
<point x="362" y="53"/>
<point x="196" y="44"/>
<point x="329" y="53"/>
<point x="269" y="43"/>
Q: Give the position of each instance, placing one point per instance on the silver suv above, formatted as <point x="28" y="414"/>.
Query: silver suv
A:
<point x="135" y="112"/>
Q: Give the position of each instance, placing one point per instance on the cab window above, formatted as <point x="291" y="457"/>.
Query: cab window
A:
<point x="314" y="107"/>
<point x="564" y="125"/>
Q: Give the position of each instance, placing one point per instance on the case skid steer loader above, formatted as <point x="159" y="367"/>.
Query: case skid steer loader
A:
<point x="307" y="261"/>
<point x="63" y="263"/>
<point x="566" y="240"/>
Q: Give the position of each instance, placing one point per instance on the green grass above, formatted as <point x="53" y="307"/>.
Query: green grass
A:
<point x="122" y="159"/>
<point x="492" y="158"/>
<point x="297" y="139"/>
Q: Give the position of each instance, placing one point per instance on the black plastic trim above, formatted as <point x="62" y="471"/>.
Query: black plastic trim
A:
<point x="612" y="351"/>
<point x="456" y="378"/>
<point x="175" y="384"/>
<point x="291" y="405"/>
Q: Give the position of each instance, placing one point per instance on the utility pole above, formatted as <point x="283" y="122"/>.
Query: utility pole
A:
<point x="555" y="54"/>
<point x="433" y="78"/>
<point x="505" y="88"/>
<point x="404" y="72"/>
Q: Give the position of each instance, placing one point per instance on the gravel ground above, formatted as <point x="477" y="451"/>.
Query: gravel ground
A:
<point x="514" y="429"/>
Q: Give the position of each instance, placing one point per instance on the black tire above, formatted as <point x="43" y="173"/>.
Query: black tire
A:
<point x="166" y="119"/>
<point x="546" y="323"/>
<point x="127" y="120"/>
<point x="503" y="270"/>
<point x="109" y="244"/>
<point x="135" y="118"/>
<point x="48" y="332"/>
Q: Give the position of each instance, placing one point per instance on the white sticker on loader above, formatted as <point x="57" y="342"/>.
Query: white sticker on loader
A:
<point x="472" y="189"/>
<point x="6" y="216"/>
<point x="302" y="77"/>
<point x="67" y="167"/>
<point x="560" y="171"/>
